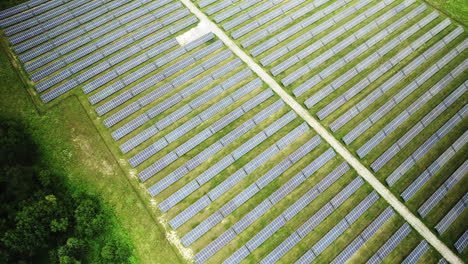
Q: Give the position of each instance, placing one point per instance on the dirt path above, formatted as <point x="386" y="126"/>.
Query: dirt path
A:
<point x="414" y="221"/>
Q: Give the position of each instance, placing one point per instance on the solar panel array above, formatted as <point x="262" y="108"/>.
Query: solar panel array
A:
<point x="364" y="236"/>
<point x="287" y="215"/>
<point x="232" y="168"/>
<point x="443" y="190"/>
<point x="390" y="244"/>
<point x="338" y="229"/>
<point x="67" y="44"/>
<point x="387" y="77"/>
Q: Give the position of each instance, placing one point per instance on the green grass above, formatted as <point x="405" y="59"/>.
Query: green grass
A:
<point x="455" y="9"/>
<point x="70" y="144"/>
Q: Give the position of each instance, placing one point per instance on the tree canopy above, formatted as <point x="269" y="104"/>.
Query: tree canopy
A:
<point x="41" y="217"/>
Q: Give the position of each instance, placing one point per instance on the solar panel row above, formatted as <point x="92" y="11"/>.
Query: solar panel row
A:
<point x="405" y="166"/>
<point x="166" y="104"/>
<point x="147" y="99"/>
<point x="462" y="242"/>
<point x="20" y="8"/>
<point x="347" y="42"/>
<point x="180" y="131"/>
<point x="372" y="97"/>
<point x="364" y="236"/>
<point x="219" y="166"/>
<point x="452" y="215"/>
<point x="291" y="31"/>
<point x="357" y="88"/>
<point x="26" y="11"/>
<point x="266" y="204"/>
<point x="407" y="113"/>
<point x="226" y="185"/>
<point x="417" y="253"/>
<point x="175" y="116"/>
<point x="265" y="18"/>
<point x="72" y="30"/>
<point x="277" y="223"/>
<point x="91" y="73"/>
<point x="388" y="106"/>
<point x="417" y="184"/>
<point x="141" y="73"/>
<point x="412" y="133"/>
<point x="215" y="147"/>
<point x="390" y="244"/>
<point x="342" y="226"/>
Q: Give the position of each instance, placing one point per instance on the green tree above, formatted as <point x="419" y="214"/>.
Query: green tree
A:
<point x="115" y="251"/>
<point x="32" y="229"/>
<point x="74" y="247"/>
<point x="90" y="219"/>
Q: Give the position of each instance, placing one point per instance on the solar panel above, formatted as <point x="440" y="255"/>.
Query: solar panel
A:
<point x="178" y="196"/>
<point x="300" y="204"/>
<point x="193" y="142"/>
<point x="286" y="188"/>
<point x="167" y="181"/>
<point x="249" y="145"/>
<point x="452" y="215"/>
<point x="280" y="123"/>
<point x="273" y="173"/>
<point x="315" y="220"/>
<point x="214" y="246"/>
<point x="246" y="89"/>
<point x="417" y="253"/>
<point x="238" y="200"/>
<point x="391" y="244"/>
<point x="148" y="152"/>
<point x="189" y="212"/>
<point x="261" y="158"/>
<point x="317" y="97"/>
<point x="305" y="149"/>
<point x="282" y="249"/>
<point x="201" y="229"/>
<point x="462" y="242"/>
<point x="359" y="241"/>
<point x="224" y="186"/>
<point x="344" y="194"/>
<point x="183" y="129"/>
<point x="215" y="169"/>
<point x="253" y="215"/>
<point x="258" y="99"/>
<point x="122" y="114"/>
<point x="318" y="163"/>
<point x="265" y="233"/>
<point x="238" y="256"/>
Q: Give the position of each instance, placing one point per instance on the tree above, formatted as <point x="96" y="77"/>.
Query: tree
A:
<point x="40" y="213"/>
<point x="74" y="247"/>
<point x="90" y="219"/>
<point x="33" y="229"/>
<point x="16" y="147"/>
<point x="68" y="260"/>
<point x="115" y="251"/>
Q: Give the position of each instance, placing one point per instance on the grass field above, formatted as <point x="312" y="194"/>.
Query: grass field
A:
<point x="138" y="131"/>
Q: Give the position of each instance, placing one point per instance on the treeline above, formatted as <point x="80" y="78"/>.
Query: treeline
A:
<point x="44" y="221"/>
